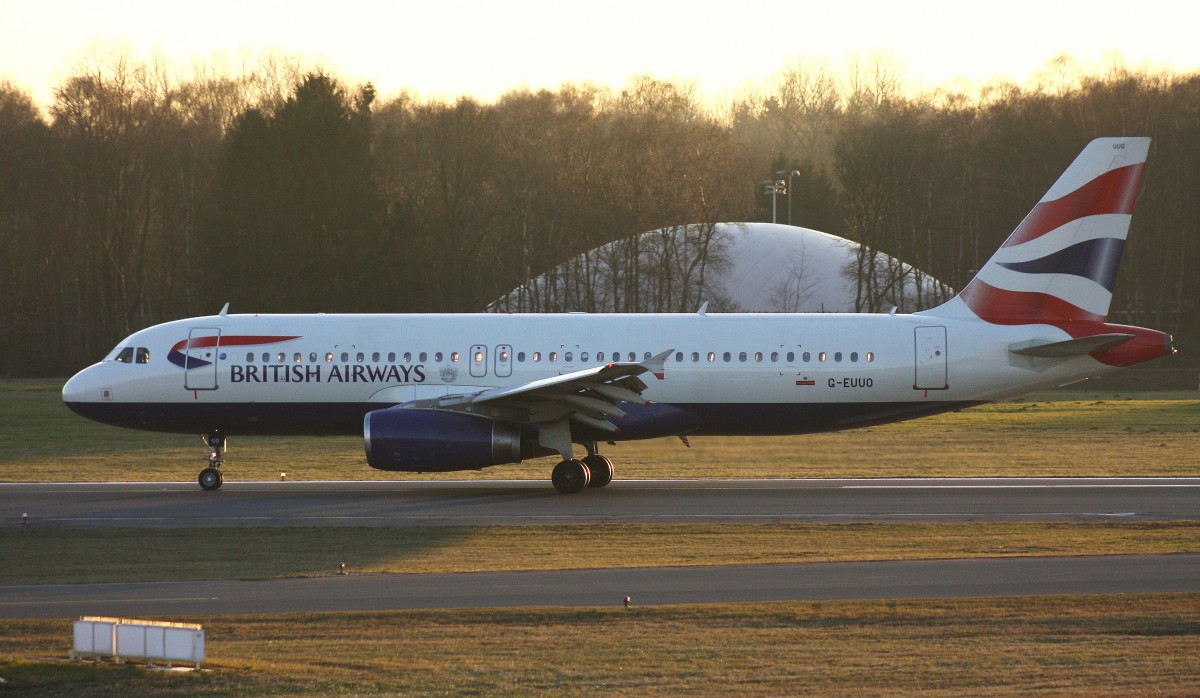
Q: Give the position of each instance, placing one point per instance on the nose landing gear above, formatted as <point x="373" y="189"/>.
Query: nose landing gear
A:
<point x="211" y="477"/>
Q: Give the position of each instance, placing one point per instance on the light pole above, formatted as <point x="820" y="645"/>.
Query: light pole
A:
<point x="779" y="178"/>
<point x="774" y="187"/>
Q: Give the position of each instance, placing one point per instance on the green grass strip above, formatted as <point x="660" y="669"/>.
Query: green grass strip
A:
<point x="75" y="556"/>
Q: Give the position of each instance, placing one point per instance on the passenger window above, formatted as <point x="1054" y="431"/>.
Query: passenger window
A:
<point x="758" y="356"/>
<point x="583" y="356"/>
<point x="870" y="356"/>
<point x="806" y="357"/>
<point x="345" y="357"/>
<point x="266" y="358"/>
<point x="837" y="356"/>
<point x="437" y="356"/>
<point x="537" y="356"/>
<point x="249" y="357"/>
<point x="646" y="356"/>
<point x="678" y="357"/>
<point x="312" y="357"/>
<point x="553" y="356"/>
<point x="521" y="356"/>
<point x="360" y="357"/>
<point x="126" y="355"/>
<point x="742" y="357"/>
<point x="279" y="357"/>
<point x="853" y="357"/>
<point x="821" y="357"/>
<point x="695" y="356"/>
<point x="391" y="357"/>
<point x="423" y="357"/>
<point x="328" y="357"/>
<point x="567" y="357"/>
<point x="296" y="357"/>
<point x="791" y="356"/>
<point x="407" y="357"/>
<point x="454" y="356"/>
<point x="726" y="357"/>
<point x="712" y="356"/>
<point x="375" y="358"/>
<point x="632" y="356"/>
<point x="599" y="356"/>
<point x="774" y="356"/>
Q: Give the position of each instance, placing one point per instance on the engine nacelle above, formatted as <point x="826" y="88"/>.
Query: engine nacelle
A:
<point x="415" y="440"/>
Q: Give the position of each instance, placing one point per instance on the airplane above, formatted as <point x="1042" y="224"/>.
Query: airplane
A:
<point x="446" y="392"/>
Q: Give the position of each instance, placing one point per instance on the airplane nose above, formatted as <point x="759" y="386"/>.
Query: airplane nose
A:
<point x="75" y="389"/>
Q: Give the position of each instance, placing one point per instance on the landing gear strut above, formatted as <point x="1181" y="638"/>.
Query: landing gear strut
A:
<point x="211" y="477"/>
<point x="593" y="470"/>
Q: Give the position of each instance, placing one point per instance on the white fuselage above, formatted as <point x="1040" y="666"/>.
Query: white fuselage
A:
<point x="740" y="373"/>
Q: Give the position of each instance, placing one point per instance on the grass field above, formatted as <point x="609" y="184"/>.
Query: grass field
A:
<point x="1127" y="645"/>
<point x="1053" y="434"/>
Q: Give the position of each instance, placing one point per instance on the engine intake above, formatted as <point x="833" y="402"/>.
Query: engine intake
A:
<point x="414" y="440"/>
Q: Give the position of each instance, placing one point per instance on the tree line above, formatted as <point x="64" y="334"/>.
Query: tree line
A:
<point x="141" y="197"/>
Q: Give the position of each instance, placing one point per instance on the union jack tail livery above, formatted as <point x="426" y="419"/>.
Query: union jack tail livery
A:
<point x="1060" y="264"/>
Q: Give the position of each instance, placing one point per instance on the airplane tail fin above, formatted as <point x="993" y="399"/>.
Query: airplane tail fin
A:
<point x="1060" y="264"/>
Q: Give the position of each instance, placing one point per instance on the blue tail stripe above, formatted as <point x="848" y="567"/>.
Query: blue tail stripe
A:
<point x="1097" y="260"/>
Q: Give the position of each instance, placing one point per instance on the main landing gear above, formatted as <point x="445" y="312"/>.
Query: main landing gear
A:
<point x="593" y="470"/>
<point x="211" y="477"/>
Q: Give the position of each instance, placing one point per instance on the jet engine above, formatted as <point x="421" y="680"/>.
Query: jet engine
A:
<point x="415" y="440"/>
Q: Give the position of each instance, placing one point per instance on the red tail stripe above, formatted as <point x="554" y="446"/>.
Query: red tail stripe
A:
<point x="1002" y="307"/>
<point x="1114" y="191"/>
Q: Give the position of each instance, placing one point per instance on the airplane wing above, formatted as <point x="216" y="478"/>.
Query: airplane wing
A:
<point x="587" y="397"/>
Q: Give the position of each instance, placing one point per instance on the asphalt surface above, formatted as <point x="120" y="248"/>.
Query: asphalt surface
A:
<point x="509" y="502"/>
<point x="398" y="504"/>
<point x="598" y="588"/>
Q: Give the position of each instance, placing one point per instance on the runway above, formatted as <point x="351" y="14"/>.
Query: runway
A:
<point x="404" y="504"/>
<point x="522" y="502"/>
<point x="600" y="588"/>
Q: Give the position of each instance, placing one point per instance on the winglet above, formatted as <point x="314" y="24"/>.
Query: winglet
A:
<point x="655" y="364"/>
<point x="224" y="310"/>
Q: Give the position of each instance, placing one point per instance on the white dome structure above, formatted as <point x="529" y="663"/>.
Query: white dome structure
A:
<point x="736" y="267"/>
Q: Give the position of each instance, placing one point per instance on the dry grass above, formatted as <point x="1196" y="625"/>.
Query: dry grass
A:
<point x="1127" y="645"/>
<point x="57" y="557"/>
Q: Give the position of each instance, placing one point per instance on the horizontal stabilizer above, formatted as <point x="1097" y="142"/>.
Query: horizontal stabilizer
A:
<point x="1073" y="347"/>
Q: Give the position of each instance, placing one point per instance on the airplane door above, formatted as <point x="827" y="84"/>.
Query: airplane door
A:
<point x="200" y="359"/>
<point x="931" y="373"/>
<point x="478" y="361"/>
<point x="503" y="361"/>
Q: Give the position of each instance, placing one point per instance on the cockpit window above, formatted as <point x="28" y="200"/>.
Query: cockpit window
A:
<point x="126" y="356"/>
<point x="143" y="355"/>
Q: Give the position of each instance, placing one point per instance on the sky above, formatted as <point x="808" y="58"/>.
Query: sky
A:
<point x="483" y="49"/>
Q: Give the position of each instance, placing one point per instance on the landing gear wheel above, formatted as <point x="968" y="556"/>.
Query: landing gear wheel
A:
<point x="211" y="479"/>
<point x="570" y="476"/>
<point x="601" y="469"/>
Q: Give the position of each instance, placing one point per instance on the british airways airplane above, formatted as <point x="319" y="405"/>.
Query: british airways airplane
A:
<point x="463" y="392"/>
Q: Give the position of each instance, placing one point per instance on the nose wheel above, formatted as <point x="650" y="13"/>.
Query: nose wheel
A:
<point x="211" y="478"/>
